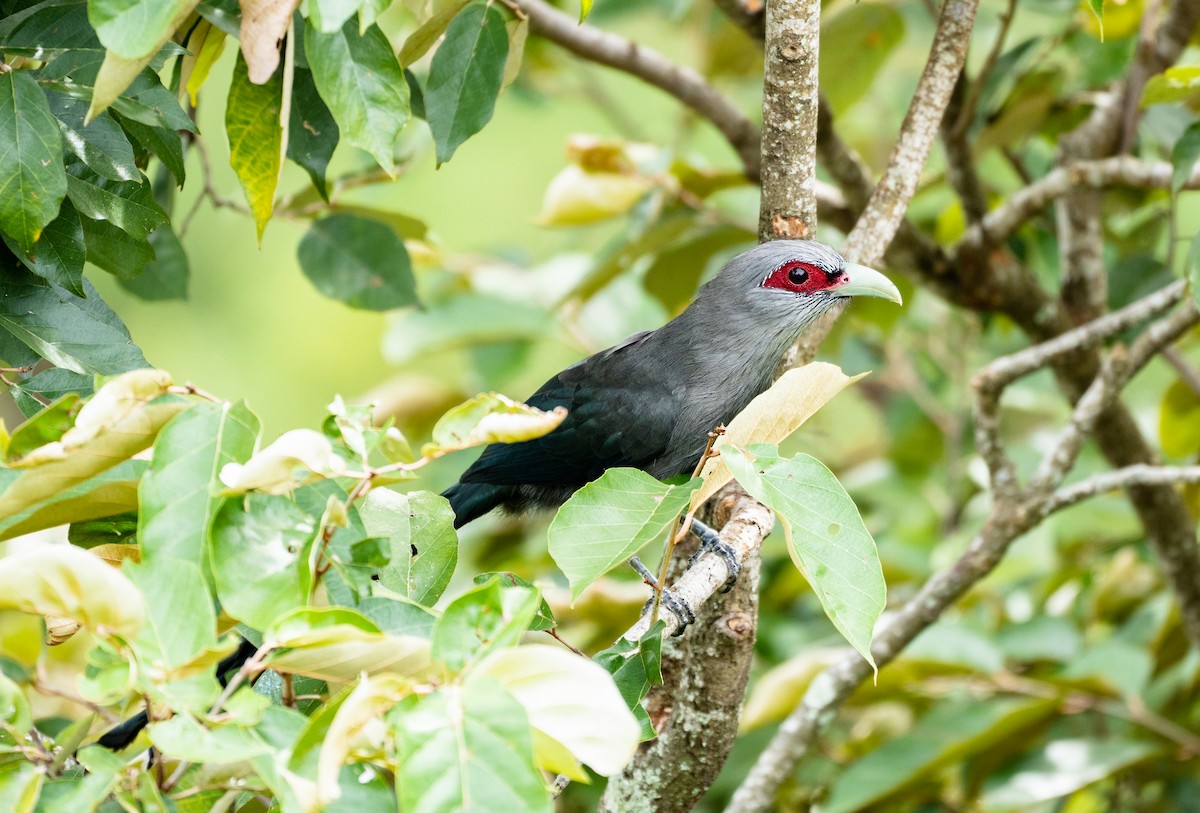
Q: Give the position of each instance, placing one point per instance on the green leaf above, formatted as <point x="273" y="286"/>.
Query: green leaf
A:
<point x="1060" y="768"/>
<point x="363" y="85"/>
<point x="825" y="535"/>
<point x="161" y="142"/>
<point x="47" y="426"/>
<point x="466" y="750"/>
<point x="128" y="205"/>
<point x="166" y="276"/>
<point x="260" y="547"/>
<point x="486" y="618"/>
<point x="570" y="699"/>
<point x="420" y="41"/>
<point x="100" y="144"/>
<point x="336" y="643"/>
<point x="59" y="253"/>
<point x="48" y="386"/>
<point x="953" y="731"/>
<point x="330" y="15"/>
<point x="255" y="139"/>
<point x="177" y="502"/>
<point x="855" y="45"/>
<point x="465" y="77"/>
<point x="1183" y="156"/>
<point x="424" y="547"/>
<point x="62" y="580"/>
<point x="312" y="132"/>
<point x="359" y="262"/>
<point x="544" y="617"/>
<point x="1177" y="84"/>
<point x="184" y="738"/>
<point x="611" y="519"/>
<point x="32" y="179"/>
<point x="490" y="418"/>
<point x="114" y="250"/>
<point x="180" y="620"/>
<point x="585" y="8"/>
<point x="133" y="28"/>
<point x="76" y="333"/>
<point x="635" y="668"/>
<point x="132" y="33"/>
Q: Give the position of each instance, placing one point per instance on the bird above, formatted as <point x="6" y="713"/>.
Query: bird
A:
<point x="650" y="402"/>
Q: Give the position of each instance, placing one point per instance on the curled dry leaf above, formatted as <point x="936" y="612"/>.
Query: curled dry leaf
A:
<point x="490" y="418"/>
<point x="295" y="458"/>
<point x="264" y="23"/>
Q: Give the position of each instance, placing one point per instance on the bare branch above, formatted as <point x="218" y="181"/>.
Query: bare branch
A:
<point x="1139" y="475"/>
<point x="1000" y="223"/>
<point x="885" y="211"/>
<point x="653" y="68"/>
<point x="1003" y="371"/>
<point x="1115" y="373"/>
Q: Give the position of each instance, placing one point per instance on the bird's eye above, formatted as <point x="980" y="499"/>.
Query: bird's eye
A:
<point x="798" y="275"/>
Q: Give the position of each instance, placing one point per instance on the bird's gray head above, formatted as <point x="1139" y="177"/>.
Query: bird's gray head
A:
<point x="789" y="283"/>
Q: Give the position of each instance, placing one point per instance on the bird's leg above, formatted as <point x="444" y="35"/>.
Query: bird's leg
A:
<point x="710" y="540"/>
<point x="682" y="610"/>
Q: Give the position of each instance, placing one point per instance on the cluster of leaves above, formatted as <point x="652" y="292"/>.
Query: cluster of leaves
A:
<point x="301" y="548"/>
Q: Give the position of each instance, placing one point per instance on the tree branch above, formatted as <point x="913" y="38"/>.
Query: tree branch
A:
<point x="1002" y="222"/>
<point x="653" y="68"/>
<point x="884" y="212"/>
<point x="1139" y="475"/>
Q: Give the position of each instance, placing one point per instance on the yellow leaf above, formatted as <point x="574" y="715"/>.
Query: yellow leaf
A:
<point x="774" y="415"/>
<point x="1179" y="420"/>
<point x="211" y="48"/>
<point x="255" y="139"/>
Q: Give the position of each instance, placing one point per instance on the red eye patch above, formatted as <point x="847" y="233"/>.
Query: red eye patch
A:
<point x="800" y="278"/>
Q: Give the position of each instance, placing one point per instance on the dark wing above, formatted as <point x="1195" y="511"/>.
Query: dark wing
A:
<point x="617" y="415"/>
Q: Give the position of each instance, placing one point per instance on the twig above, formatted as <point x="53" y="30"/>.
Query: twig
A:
<point x="1000" y="223"/>
<point x="1139" y="475"/>
<point x="1115" y="373"/>
<point x="653" y="68"/>
<point x="885" y="210"/>
<point x="209" y="191"/>
<point x="970" y="105"/>
<point x="1187" y="373"/>
<point x="1003" y="371"/>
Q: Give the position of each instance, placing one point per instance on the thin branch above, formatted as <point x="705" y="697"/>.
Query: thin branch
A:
<point x="1000" y="223"/>
<point x="970" y="105"/>
<point x="1139" y="475"/>
<point x="1187" y="373"/>
<point x="1115" y="373"/>
<point x="1003" y="371"/>
<point x="653" y="68"/>
<point x="885" y="211"/>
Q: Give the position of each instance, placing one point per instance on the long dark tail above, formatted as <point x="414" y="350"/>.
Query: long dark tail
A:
<point x="472" y="500"/>
<point x="120" y="736"/>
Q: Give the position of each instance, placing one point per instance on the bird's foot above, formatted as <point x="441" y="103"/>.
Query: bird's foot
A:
<point x="682" y="610"/>
<point x="710" y="540"/>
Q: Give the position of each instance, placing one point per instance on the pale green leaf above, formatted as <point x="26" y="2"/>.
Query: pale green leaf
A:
<point x="611" y="519"/>
<point x="825" y="536"/>
<point x="62" y="580"/>
<point x="570" y="699"/>
<point x="490" y="418"/>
